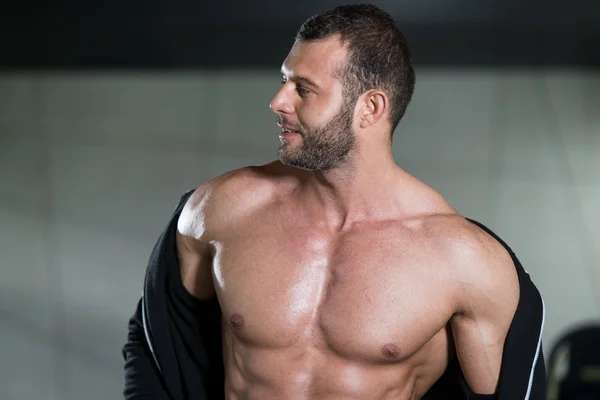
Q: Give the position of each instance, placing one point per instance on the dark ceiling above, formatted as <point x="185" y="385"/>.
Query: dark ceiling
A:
<point x="165" y="34"/>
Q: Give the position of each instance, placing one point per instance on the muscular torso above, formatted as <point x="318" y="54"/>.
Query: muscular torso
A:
<point x="311" y="313"/>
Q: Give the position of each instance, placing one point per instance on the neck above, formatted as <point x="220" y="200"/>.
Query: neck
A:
<point x="361" y="188"/>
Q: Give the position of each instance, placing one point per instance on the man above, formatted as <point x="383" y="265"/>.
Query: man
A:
<point x="337" y="274"/>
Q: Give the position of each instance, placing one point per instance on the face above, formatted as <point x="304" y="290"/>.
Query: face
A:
<point x="317" y="123"/>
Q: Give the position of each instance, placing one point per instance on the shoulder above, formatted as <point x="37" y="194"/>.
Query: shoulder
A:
<point x="482" y="270"/>
<point x="461" y="240"/>
<point x="228" y="198"/>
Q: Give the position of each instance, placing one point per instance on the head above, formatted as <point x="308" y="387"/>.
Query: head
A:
<point x="348" y="71"/>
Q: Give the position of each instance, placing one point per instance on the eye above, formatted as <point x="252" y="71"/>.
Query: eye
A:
<point x="299" y="88"/>
<point x="302" y="91"/>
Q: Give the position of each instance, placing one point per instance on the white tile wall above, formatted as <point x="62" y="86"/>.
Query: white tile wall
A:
<point x="129" y="108"/>
<point x="26" y="283"/>
<point x="90" y="378"/>
<point x="28" y="368"/>
<point x="19" y="105"/>
<point x="449" y="120"/>
<point x="242" y="116"/>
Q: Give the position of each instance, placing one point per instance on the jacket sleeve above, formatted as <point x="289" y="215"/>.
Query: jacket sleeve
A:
<point x="539" y="383"/>
<point x="142" y="377"/>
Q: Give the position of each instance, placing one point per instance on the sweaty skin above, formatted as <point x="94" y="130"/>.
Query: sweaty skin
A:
<point x="318" y="308"/>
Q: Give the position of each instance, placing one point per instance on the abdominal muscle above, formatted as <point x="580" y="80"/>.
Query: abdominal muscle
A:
<point x="306" y="372"/>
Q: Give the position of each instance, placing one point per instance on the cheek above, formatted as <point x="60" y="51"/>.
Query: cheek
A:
<point x="317" y="113"/>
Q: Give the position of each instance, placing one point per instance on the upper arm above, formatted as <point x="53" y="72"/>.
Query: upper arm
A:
<point x="487" y="297"/>
<point x="212" y="212"/>
<point x="211" y="216"/>
<point x="193" y="245"/>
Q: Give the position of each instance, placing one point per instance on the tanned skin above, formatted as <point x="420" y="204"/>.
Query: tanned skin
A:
<point x="357" y="281"/>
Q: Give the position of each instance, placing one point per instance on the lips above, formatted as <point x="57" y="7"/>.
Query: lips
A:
<point x="285" y="128"/>
<point x="287" y="134"/>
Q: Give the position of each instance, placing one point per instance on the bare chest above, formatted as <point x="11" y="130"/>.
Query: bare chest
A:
<point x="367" y="296"/>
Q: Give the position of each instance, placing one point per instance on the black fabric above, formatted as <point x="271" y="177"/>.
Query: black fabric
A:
<point x="475" y="396"/>
<point x="448" y="386"/>
<point x="159" y="326"/>
<point x="142" y="378"/>
<point x="195" y="339"/>
<point x="186" y="338"/>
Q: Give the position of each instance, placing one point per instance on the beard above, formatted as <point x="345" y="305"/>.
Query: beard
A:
<point x="322" y="148"/>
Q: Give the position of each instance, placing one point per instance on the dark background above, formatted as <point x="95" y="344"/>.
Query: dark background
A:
<point x="216" y="34"/>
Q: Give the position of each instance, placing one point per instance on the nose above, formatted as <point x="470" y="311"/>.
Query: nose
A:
<point x="282" y="103"/>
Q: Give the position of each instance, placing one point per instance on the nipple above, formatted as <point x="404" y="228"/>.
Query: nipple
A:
<point x="237" y="321"/>
<point x="390" y="350"/>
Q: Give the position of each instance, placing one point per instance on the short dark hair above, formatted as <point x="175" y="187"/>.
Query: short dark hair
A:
<point x="378" y="54"/>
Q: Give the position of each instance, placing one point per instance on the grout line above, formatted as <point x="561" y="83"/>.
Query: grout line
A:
<point x="55" y="287"/>
<point x="497" y="144"/>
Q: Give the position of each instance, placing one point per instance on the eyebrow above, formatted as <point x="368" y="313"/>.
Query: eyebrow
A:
<point x="302" y="79"/>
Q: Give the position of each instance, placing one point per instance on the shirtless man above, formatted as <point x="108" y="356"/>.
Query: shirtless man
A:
<point x="339" y="275"/>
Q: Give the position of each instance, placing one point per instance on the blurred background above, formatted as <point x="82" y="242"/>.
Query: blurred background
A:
<point x="109" y="112"/>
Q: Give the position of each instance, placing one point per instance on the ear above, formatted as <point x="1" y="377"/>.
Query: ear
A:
<point x="374" y="105"/>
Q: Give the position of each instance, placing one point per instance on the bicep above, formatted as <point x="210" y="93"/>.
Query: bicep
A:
<point x="489" y="297"/>
<point x="479" y="351"/>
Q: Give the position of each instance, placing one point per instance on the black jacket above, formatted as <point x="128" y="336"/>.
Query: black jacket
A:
<point x="163" y="363"/>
